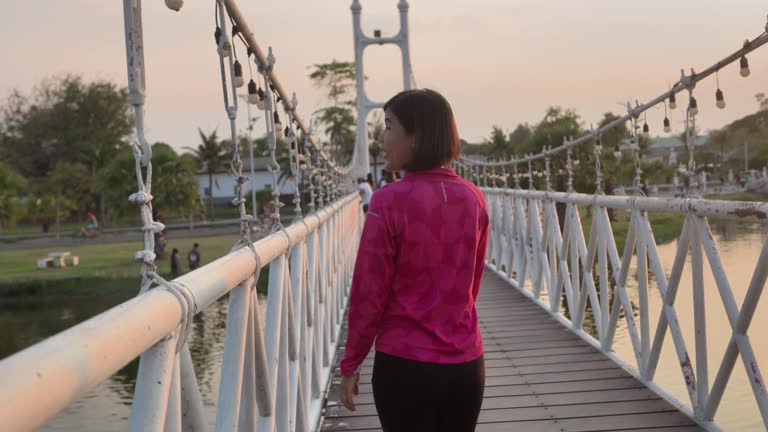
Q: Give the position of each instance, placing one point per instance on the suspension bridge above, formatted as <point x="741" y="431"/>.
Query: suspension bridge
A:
<point x="555" y="291"/>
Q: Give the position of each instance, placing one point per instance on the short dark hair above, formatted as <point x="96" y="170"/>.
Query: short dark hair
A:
<point x="426" y="114"/>
<point x="196" y="245"/>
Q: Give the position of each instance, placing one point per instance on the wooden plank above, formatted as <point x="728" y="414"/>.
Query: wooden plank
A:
<point x="523" y="401"/>
<point x="601" y="423"/>
<point x="540" y="376"/>
<point x="573" y="411"/>
<point x="579" y="416"/>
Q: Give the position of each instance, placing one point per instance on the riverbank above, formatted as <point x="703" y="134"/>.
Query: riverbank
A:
<point x="104" y="269"/>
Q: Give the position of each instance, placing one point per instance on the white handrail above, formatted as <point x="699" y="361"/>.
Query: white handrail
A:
<point x="529" y="250"/>
<point x="292" y="349"/>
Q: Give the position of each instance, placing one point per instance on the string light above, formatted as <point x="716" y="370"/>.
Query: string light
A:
<point x="239" y="81"/>
<point x="693" y="107"/>
<point x="646" y="129"/>
<point x="616" y="151"/>
<point x="719" y="98"/>
<point x="260" y="103"/>
<point x="253" y="97"/>
<point x="667" y="129"/>
<point x="174" y="4"/>
<point x="744" y="63"/>
<point x="672" y="101"/>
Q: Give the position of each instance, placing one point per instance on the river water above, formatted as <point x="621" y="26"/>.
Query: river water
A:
<point x="739" y="246"/>
<point x="106" y="408"/>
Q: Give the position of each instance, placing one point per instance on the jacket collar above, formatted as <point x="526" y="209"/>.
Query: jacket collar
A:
<point x="449" y="172"/>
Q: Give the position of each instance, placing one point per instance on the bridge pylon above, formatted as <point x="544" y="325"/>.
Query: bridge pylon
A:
<point x="360" y="158"/>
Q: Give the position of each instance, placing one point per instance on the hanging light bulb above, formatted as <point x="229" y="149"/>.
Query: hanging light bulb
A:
<point x="633" y="143"/>
<point x="719" y="99"/>
<point x="598" y="145"/>
<point x="646" y="129"/>
<point x="224" y="47"/>
<point x="667" y="129"/>
<point x="287" y="133"/>
<point x="575" y="162"/>
<point x="260" y="100"/>
<point x="744" y="66"/>
<point x="174" y="4"/>
<point x="253" y="98"/>
<point x="672" y="101"/>
<point x="693" y="107"/>
<point x="616" y="151"/>
<point x="278" y="124"/>
<point x="239" y="81"/>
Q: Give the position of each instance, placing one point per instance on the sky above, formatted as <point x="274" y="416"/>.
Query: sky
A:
<point x="498" y="62"/>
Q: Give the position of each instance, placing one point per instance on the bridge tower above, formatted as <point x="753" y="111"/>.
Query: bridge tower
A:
<point x="360" y="162"/>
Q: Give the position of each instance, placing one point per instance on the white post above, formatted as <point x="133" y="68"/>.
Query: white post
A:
<point x="360" y="158"/>
<point x="746" y="156"/>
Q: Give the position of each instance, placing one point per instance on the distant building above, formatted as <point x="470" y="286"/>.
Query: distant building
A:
<point x="225" y="185"/>
<point x="224" y="182"/>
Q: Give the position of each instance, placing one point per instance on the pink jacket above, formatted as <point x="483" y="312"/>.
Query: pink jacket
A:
<point x="418" y="272"/>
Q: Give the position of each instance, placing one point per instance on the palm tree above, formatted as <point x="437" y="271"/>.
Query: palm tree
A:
<point x="211" y="156"/>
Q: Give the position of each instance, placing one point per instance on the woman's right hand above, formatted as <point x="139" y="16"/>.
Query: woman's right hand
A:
<point x="349" y="389"/>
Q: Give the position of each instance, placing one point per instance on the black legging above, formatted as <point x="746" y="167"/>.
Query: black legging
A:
<point x="427" y="397"/>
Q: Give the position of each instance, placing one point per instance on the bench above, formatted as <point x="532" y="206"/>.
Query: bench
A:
<point x="58" y="259"/>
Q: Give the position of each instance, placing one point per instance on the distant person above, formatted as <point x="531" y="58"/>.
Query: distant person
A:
<point x="387" y="177"/>
<point x="365" y="193"/>
<point x="175" y="264"/>
<point x="193" y="257"/>
<point x="91" y="227"/>
<point x="369" y="180"/>
<point x="93" y="223"/>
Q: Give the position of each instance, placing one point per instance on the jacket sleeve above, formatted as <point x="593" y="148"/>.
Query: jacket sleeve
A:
<point x="482" y="245"/>
<point x="371" y="284"/>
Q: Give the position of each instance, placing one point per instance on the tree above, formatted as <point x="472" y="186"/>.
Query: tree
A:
<point x="762" y="101"/>
<point x="69" y="120"/>
<point x="47" y="208"/>
<point x="69" y="182"/>
<point x="497" y="146"/>
<point x="11" y="185"/>
<point x="174" y="187"/>
<point x="337" y="120"/>
<point x="520" y="137"/>
<point x="557" y="124"/>
<point x="212" y="157"/>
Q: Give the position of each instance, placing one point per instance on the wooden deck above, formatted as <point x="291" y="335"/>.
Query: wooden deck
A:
<point x="539" y="377"/>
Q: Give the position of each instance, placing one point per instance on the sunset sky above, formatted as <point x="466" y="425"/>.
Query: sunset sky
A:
<point x="499" y="62"/>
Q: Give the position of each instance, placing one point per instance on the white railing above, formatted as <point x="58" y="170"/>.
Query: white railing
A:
<point x="528" y="248"/>
<point x="273" y="378"/>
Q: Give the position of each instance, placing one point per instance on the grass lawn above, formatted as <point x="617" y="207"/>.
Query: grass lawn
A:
<point x="100" y="263"/>
<point x="666" y="226"/>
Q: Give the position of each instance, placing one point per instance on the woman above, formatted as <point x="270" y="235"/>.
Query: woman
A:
<point x="417" y="277"/>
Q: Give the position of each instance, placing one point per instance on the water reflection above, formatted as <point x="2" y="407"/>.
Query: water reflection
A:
<point x="106" y="407"/>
